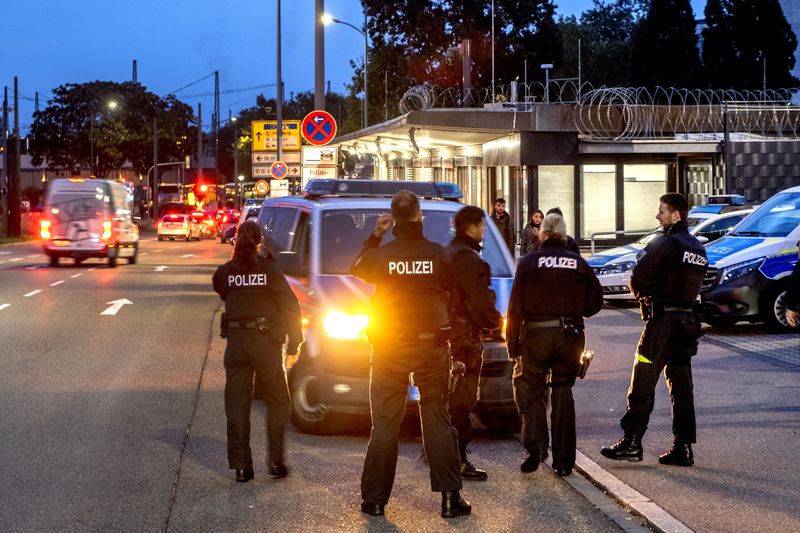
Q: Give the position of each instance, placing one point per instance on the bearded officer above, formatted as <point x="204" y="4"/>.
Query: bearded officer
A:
<point x="260" y="310"/>
<point x="666" y="280"/>
<point x="409" y="332"/>
<point x="473" y="303"/>
<point x="554" y="288"/>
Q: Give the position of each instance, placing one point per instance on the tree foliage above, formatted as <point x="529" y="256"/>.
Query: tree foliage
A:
<point x="79" y="116"/>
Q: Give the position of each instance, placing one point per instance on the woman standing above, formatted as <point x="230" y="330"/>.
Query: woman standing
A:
<point x="530" y="233"/>
<point x="261" y="310"/>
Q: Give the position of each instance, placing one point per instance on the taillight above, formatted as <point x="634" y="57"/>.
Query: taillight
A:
<point x="160" y="224"/>
<point x="225" y="219"/>
<point x="45" y="228"/>
<point x="106" y="230"/>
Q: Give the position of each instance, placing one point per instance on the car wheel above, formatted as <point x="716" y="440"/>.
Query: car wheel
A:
<point x="132" y="259"/>
<point x="79" y="260"/>
<point x="160" y="238"/>
<point x="309" y="414"/>
<point x="773" y="308"/>
<point x="222" y="240"/>
<point x="53" y="260"/>
<point x="112" y="261"/>
<point x="188" y="237"/>
<point x="504" y="423"/>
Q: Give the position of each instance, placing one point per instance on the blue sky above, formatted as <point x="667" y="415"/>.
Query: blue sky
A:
<point x="176" y="42"/>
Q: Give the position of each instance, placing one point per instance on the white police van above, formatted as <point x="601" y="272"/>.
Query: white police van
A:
<point x="748" y="268"/>
<point x="318" y="237"/>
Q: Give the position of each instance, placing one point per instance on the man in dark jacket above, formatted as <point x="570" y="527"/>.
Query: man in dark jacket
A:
<point x="473" y="303"/>
<point x="554" y="288"/>
<point x="504" y="223"/>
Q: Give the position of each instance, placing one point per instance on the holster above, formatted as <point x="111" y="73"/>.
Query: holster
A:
<point x="223" y="326"/>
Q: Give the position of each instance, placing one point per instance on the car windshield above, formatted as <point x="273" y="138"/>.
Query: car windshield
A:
<point x="778" y="217"/>
<point x="344" y="231"/>
<point x="645" y="240"/>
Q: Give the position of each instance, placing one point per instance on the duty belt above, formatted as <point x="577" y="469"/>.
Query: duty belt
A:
<point x="540" y="324"/>
<point x="433" y="336"/>
<point x="676" y="309"/>
<point x="243" y="324"/>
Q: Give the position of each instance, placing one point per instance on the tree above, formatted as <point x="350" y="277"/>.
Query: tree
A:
<point x="740" y="37"/>
<point x="665" y="47"/>
<point x="79" y="122"/>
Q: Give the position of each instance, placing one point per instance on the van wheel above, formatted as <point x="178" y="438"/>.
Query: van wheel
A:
<point x="132" y="259"/>
<point x="309" y="414"/>
<point x="112" y="258"/>
<point x="773" y="309"/>
<point x="499" y="422"/>
<point x="222" y="240"/>
<point x="53" y="260"/>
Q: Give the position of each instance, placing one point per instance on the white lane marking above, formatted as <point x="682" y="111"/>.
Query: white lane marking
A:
<point x="77" y="275"/>
<point x="160" y="268"/>
<point x="56" y="283"/>
<point x="91" y="269"/>
<point x="15" y="259"/>
<point x="34" y="255"/>
<point x="33" y="267"/>
<point x="37" y="291"/>
<point x="3" y="306"/>
<point x="145" y="253"/>
<point x="116" y="305"/>
<point x="187" y="255"/>
<point x="161" y="249"/>
<point x="5" y="253"/>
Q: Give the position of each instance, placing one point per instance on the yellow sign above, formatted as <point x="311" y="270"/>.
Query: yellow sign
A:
<point x="265" y="135"/>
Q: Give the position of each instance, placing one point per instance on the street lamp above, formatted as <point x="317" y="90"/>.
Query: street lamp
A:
<point x="111" y="105"/>
<point x="327" y="19"/>
<point x="546" y="67"/>
<point x="241" y="190"/>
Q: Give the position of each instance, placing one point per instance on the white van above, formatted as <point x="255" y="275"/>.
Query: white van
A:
<point x="85" y="218"/>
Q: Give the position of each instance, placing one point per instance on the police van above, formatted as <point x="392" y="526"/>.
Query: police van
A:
<point x="748" y="268"/>
<point x="85" y="218"/>
<point x="318" y="237"/>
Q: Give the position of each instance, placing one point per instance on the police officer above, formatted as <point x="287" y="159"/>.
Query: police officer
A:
<point x="260" y="310"/>
<point x="666" y="280"/>
<point x="793" y="293"/>
<point x="473" y="304"/>
<point x="409" y="333"/>
<point x="554" y="288"/>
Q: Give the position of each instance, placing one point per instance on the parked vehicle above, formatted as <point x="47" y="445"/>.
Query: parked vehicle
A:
<point x="249" y="212"/>
<point x="206" y="223"/>
<point x="85" y="218"/>
<point x="228" y="225"/>
<point x="178" y="226"/>
<point x="318" y="237"/>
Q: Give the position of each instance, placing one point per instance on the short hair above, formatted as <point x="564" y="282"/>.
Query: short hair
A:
<point x="405" y="206"/>
<point x="676" y="202"/>
<point x="468" y="216"/>
<point x="499" y="201"/>
<point x="556" y="210"/>
<point x="555" y="227"/>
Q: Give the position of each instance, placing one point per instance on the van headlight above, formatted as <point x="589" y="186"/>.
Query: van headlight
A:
<point x="345" y="326"/>
<point x="619" y="268"/>
<point x="739" y="269"/>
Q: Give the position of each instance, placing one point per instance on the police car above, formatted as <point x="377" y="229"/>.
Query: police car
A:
<point x="613" y="267"/>
<point x="748" y="268"/>
<point x="319" y="236"/>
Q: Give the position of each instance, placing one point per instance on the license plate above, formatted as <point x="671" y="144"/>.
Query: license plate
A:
<point x="61" y="243"/>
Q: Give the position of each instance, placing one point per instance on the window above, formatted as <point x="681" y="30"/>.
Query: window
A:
<point x="598" y="200"/>
<point x="278" y="225"/>
<point x="557" y="189"/>
<point x="719" y="228"/>
<point x="777" y="217"/>
<point x="644" y="185"/>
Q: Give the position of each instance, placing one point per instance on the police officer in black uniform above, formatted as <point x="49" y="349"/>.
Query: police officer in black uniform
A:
<point x="409" y="332"/>
<point x="260" y="311"/>
<point x="554" y="288"/>
<point x="793" y="293"/>
<point x="473" y="304"/>
<point x="666" y="280"/>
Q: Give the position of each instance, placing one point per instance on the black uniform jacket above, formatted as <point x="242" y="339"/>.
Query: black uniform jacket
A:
<point x="412" y="277"/>
<point x="671" y="268"/>
<point x="261" y="291"/>
<point x="550" y="283"/>
<point x="793" y="290"/>
<point x="472" y="299"/>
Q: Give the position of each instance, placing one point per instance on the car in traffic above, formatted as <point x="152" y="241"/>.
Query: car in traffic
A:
<point x="318" y="237"/>
<point x="178" y="226"/>
<point x="250" y="212"/>
<point x="84" y="218"/>
<point x="228" y="224"/>
<point x="205" y="222"/>
<point x="613" y="267"/>
<point x="748" y="269"/>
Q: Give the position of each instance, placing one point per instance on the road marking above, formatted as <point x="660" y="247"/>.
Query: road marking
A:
<point x="34" y="255"/>
<point x="56" y="283"/>
<point x="5" y="253"/>
<point x="116" y="305"/>
<point x="187" y="255"/>
<point x="3" y="306"/>
<point x="15" y="259"/>
<point x="77" y="275"/>
<point x="32" y="293"/>
<point x="160" y="268"/>
<point x="91" y="269"/>
<point x="142" y="253"/>
<point x="33" y="267"/>
<point x="159" y="250"/>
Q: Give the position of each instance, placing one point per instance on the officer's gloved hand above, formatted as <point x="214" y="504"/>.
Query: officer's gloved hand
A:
<point x="292" y="355"/>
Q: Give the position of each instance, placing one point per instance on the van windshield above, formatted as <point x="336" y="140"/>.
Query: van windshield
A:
<point x="344" y="231"/>
<point x="778" y="217"/>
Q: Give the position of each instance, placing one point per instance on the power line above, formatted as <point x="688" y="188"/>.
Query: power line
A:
<point x="189" y="85"/>
<point x="230" y="91"/>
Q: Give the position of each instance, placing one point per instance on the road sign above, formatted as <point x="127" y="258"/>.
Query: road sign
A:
<point x="319" y="128"/>
<point x="312" y="173"/>
<point x="293" y="171"/>
<point x="262" y="187"/>
<point x="318" y="156"/>
<point x="278" y="170"/>
<point x="279" y="188"/>
<point x="267" y="158"/>
<point x="261" y="171"/>
<point x="265" y="135"/>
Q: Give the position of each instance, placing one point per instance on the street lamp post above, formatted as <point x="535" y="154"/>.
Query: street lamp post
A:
<point x="241" y="190"/>
<point x="112" y="105"/>
<point x="328" y="19"/>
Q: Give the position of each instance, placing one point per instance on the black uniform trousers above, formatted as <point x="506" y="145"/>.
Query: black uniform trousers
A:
<point x="248" y="353"/>
<point x="663" y="346"/>
<point x="463" y="399"/>
<point x="548" y="350"/>
<point x="391" y="365"/>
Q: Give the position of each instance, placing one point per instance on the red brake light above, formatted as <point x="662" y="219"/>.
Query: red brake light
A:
<point x="106" y="230"/>
<point x="45" y="228"/>
<point x="224" y="219"/>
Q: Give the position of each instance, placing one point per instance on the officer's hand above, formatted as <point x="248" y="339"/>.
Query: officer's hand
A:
<point x="292" y="349"/>
<point x="383" y="224"/>
<point x="791" y="318"/>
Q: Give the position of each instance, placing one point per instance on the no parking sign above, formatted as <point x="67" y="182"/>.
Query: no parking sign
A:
<point x="318" y="128"/>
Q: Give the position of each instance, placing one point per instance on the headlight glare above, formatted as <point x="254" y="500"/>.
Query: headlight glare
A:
<point x="739" y="269"/>
<point x="345" y="326"/>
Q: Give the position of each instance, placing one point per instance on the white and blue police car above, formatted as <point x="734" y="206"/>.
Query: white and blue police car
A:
<point x="318" y="236"/>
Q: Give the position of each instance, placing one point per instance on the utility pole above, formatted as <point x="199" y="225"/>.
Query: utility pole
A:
<point x="36" y="102"/>
<point x="135" y="73"/>
<point x="4" y="175"/>
<point x="319" y="55"/>
<point x="279" y="99"/>
<point x="215" y="125"/>
<point x="199" y="139"/>
<point x="232" y="122"/>
<point x="155" y="169"/>
<point x="13" y="189"/>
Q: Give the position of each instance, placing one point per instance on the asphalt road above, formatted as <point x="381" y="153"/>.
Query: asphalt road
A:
<point x="116" y="423"/>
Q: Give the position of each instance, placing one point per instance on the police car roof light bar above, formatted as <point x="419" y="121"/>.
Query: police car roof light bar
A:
<point x="381" y="188"/>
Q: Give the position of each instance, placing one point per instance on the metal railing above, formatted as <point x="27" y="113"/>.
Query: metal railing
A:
<point x="618" y="232"/>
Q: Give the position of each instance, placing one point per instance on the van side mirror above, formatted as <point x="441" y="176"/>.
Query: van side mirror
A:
<point x="702" y="239"/>
<point x="292" y="264"/>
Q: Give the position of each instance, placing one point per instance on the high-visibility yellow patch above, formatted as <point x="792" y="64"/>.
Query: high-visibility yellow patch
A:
<point x="642" y="359"/>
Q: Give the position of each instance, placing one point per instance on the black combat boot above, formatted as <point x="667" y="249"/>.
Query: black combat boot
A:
<point x="531" y="464"/>
<point x="454" y="505"/>
<point x="679" y="455"/>
<point x="629" y="448"/>
<point x="243" y="475"/>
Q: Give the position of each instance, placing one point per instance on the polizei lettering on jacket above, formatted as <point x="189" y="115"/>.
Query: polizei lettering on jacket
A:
<point x="411" y="267"/>
<point x="694" y="259"/>
<point x="558" y="262"/>
<point x="247" y="280"/>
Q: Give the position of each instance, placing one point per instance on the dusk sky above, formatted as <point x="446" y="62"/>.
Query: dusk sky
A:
<point x="176" y="42"/>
